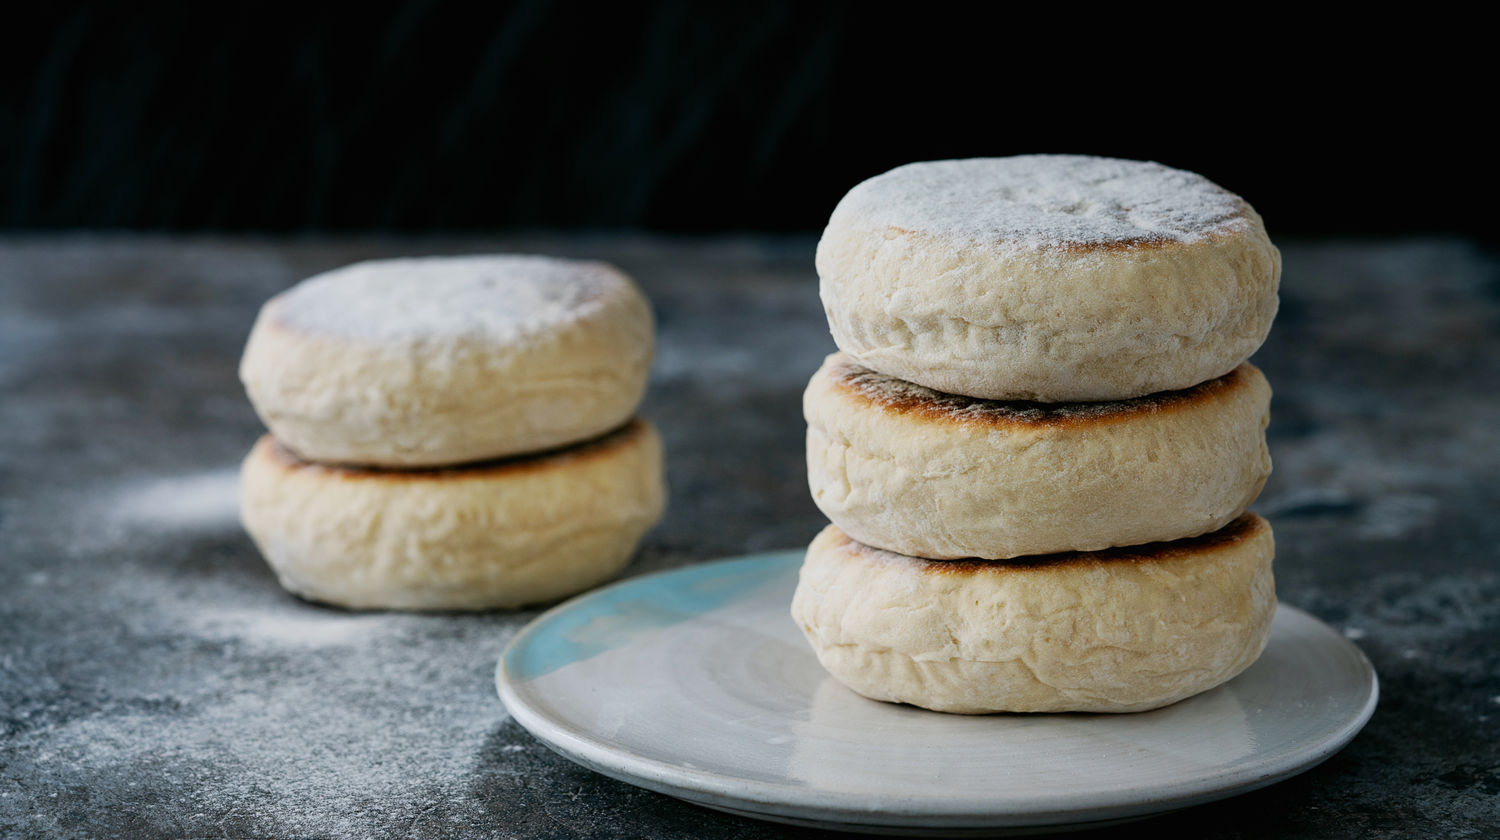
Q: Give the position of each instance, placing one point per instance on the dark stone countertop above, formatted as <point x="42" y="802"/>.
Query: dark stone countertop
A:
<point x="155" y="681"/>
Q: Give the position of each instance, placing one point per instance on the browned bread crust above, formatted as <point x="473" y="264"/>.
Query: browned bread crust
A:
<point x="1249" y="526"/>
<point x="902" y="397"/>
<point x="599" y="447"/>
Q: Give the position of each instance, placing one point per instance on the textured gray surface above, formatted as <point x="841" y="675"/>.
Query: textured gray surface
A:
<point x="154" y="681"/>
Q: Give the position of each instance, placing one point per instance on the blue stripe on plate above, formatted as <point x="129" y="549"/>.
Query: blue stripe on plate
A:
<point x="609" y="618"/>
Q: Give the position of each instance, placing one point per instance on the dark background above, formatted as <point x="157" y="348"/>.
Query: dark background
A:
<point x="684" y="116"/>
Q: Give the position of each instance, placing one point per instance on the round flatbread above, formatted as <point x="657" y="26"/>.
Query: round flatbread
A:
<point x="914" y="471"/>
<point x="1047" y="277"/>
<point x="499" y="534"/>
<point x="1123" y="630"/>
<point x="429" y="362"/>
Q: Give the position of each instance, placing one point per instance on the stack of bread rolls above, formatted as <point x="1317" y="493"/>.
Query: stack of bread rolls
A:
<point x="451" y="433"/>
<point x="1040" y="440"/>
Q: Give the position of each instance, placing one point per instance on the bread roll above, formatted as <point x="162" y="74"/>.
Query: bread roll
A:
<point x="428" y="362"/>
<point x="1123" y="630"/>
<point x="1047" y="277"/>
<point x="917" y="472"/>
<point x="499" y="534"/>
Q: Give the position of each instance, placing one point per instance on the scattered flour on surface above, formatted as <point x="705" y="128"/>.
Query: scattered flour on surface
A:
<point x="232" y="754"/>
<point x="1393" y="516"/>
<point x="280" y="629"/>
<point x="193" y="502"/>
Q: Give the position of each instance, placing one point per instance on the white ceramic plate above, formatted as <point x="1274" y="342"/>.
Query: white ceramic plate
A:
<point x="696" y="683"/>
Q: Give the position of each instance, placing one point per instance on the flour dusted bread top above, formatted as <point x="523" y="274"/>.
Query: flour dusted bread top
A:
<point x="1050" y="278"/>
<point x="494" y="298"/>
<point x="1036" y="203"/>
<point x="446" y="360"/>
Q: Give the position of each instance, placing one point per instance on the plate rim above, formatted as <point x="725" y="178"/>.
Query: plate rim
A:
<point x="772" y="800"/>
